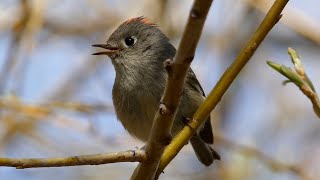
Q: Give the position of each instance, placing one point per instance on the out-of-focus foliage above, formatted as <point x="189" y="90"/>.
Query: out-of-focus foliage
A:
<point x="56" y="98"/>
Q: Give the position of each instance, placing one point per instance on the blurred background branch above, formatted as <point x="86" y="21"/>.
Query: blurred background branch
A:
<point x="297" y="20"/>
<point x="273" y="164"/>
<point x="18" y="29"/>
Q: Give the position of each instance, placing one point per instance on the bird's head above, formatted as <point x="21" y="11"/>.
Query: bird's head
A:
<point x="137" y="40"/>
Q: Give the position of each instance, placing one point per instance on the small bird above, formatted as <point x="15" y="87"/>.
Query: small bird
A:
<point x="137" y="49"/>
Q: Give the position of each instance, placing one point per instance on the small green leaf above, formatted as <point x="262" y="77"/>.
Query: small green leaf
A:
<point x="285" y="82"/>
<point x="296" y="60"/>
<point x="275" y="66"/>
<point x="291" y="75"/>
<point x="287" y="72"/>
<point x="310" y="83"/>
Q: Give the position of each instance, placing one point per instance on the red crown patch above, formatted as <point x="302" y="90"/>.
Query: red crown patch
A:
<point x="141" y="19"/>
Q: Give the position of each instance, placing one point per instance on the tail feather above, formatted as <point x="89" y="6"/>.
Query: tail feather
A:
<point x="205" y="154"/>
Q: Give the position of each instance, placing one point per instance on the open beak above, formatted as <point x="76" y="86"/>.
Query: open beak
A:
<point x="108" y="49"/>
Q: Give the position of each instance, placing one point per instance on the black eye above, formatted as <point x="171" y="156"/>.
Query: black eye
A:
<point x="130" y="41"/>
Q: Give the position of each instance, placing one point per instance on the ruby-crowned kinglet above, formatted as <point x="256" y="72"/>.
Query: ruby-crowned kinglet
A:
<point x="138" y="49"/>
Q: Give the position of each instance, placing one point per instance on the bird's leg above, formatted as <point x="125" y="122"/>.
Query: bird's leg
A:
<point x="143" y="148"/>
<point x="166" y="140"/>
<point x="186" y="120"/>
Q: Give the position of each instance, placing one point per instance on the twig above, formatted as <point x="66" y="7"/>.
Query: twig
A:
<point x="272" y="163"/>
<point x="177" y="70"/>
<point x="299" y="77"/>
<point x="223" y="84"/>
<point x="95" y="159"/>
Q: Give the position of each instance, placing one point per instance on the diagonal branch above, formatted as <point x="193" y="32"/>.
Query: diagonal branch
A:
<point x="95" y="159"/>
<point x="223" y="84"/>
<point x="160" y="136"/>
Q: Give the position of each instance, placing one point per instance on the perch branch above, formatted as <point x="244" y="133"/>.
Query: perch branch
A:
<point x="271" y="18"/>
<point x="160" y="132"/>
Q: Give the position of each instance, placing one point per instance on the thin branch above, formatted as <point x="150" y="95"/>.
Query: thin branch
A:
<point x="160" y="136"/>
<point x="223" y="84"/>
<point x="95" y="159"/>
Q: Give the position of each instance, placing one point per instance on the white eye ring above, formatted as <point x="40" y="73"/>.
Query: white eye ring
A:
<point x="130" y="41"/>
